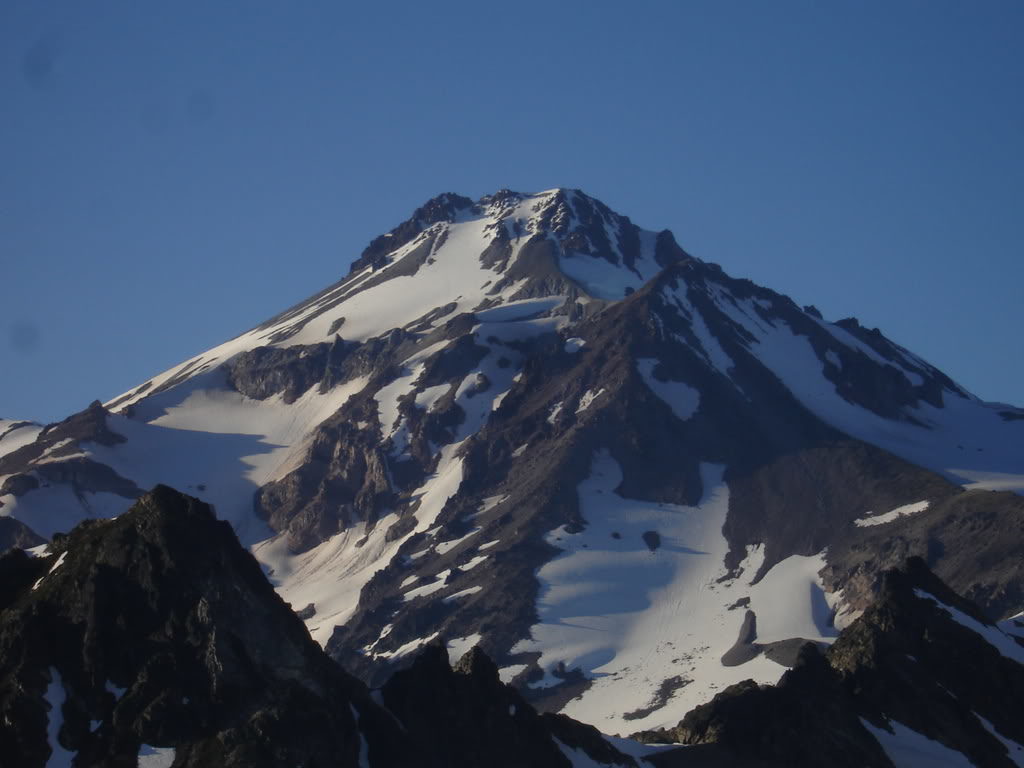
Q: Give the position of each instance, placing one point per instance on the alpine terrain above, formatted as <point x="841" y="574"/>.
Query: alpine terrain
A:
<point x="603" y="477"/>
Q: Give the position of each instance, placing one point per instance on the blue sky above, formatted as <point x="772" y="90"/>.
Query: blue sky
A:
<point x="174" y="173"/>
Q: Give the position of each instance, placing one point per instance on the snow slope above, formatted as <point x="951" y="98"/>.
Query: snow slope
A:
<point x="964" y="440"/>
<point x="649" y="622"/>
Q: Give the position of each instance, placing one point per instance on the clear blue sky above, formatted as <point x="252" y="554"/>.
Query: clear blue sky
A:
<point x="173" y="173"/>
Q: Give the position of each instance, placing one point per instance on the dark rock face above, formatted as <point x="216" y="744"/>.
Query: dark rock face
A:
<point x="804" y="499"/>
<point x="158" y="628"/>
<point x="291" y="371"/>
<point x="343" y="479"/>
<point x="164" y="604"/>
<point x="468" y="718"/>
<point x="906" y="659"/>
<point x="784" y="724"/>
<point x="15" y="534"/>
<point x="970" y="539"/>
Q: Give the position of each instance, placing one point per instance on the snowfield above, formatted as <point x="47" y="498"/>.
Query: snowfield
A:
<point x="648" y="623"/>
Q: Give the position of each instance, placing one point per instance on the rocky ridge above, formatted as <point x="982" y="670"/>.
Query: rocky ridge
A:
<point x="157" y="631"/>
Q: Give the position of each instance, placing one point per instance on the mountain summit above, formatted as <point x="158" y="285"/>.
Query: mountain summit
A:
<point x="525" y="423"/>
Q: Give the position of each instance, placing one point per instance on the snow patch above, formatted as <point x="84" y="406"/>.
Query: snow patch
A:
<point x="364" y="748"/>
<point x="683" y="399"/>
<point x="463" y="593"/>
<point x="155" y="757"/>
<point x="489" y="503"/>
<point x="472" y="563"/>
<point x="895" y="514"/>
<point x="428" y="398"/>
<point x="781" y="612"/>
<point x="56" y="697"/>
<point x="14" y="437"/>
<point x="993" y="635"/>
<point x="709" y="348"/>
<point x="553" y="413"/>
<point x="588" y="397"/>
<point x="405" y="650"/>
<point x="1013" y="750"/>
<point x="907" y="748"/>
<point x="507" y="674"/>
<point x="460" y="646"/>
<point x="54" y="567"/>
<point x="447" y="546"/>
<point x="439" y="583"/>
<point x="577" y="757"/>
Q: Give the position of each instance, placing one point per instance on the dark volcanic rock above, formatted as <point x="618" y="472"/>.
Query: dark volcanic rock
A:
<point x="164" y="607"/>
<point x="970" y="539"/>
<point x="291" y="371"/>
<point x="467" y="717"/>
<point x="14" y="533"/>
<point x="784" y="723"/>
<point x="907" y="658"/>
<point x="343" y="479"/>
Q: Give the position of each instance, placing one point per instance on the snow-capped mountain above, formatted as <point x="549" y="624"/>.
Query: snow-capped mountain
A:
<point x="525" y="423"/>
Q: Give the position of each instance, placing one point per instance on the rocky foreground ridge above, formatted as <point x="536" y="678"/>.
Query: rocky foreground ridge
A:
<point x="156" y="632"/>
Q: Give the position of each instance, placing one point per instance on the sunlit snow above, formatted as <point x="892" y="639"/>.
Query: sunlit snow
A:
<point x="895" y="514"/>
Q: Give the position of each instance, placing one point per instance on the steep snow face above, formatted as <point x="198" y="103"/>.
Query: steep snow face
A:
<point x="641" y="602"/>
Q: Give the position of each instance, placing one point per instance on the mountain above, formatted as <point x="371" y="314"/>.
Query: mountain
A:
<point x="525" y="424"/>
